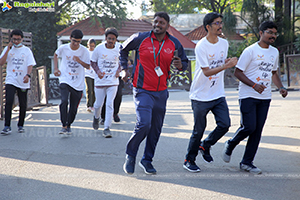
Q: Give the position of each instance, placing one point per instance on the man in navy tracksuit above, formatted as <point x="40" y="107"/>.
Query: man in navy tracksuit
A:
<point x="154" y="55"/>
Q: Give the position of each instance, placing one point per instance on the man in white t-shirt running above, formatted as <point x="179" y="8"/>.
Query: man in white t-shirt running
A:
<point x="74" y="58"/>
<point x="207" y="90"/>
<point x="256" y="69"/>
<point x="20" y="61"/>
<point x="105" y="62"/>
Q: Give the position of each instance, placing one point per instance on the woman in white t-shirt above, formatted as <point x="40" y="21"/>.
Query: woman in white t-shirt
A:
<point x="89" y="79"/>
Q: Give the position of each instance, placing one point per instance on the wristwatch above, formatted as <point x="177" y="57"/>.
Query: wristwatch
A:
<point x="28" y="75"/>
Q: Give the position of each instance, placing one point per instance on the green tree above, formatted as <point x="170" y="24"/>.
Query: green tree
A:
<point x="235" y="49"/>
<point x="193" y="6"/>
<point x="45" y="25"/>
<point x="174" y="6"/>
<point x="42" y="25"/>
<point x="74" y="10"/>
<point x="252" y="12"/>
<point x="257" y="12"/>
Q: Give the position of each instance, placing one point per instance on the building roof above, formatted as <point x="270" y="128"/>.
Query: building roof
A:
<point x="186" y="42"/>
<point x="93" y="27"/>
<point x="197" y="33"/>
<point x="200" y="32"/>
<point x="132" y="26"/>
<point x="129" y="27"/>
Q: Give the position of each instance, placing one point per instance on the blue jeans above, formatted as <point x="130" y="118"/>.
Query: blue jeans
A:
<point x="253" y="116"/>
<point x="150" y="112"/>
<point x="200" y="109"/>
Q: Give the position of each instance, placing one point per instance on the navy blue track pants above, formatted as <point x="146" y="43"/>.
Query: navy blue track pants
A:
<point x="150" y="112"/>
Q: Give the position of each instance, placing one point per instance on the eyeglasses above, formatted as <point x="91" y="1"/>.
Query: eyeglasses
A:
<point x="76" y="41"/>
<point x="272" y="33"/>
<point x="16" y="39"/>
<point x="217" y="23"/>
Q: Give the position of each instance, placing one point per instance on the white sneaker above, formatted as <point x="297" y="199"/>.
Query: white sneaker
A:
<point x="250" y="168"/>
<point x="225" y="153"/>
<point x="106" y="133"/>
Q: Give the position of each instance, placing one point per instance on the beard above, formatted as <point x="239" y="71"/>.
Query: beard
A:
<point x="269" y="41"/>
<point x="158" y="30"/>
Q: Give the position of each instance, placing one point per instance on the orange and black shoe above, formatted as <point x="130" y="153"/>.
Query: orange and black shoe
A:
<point x="206" y="154"/>
<point x="191" y="166"/>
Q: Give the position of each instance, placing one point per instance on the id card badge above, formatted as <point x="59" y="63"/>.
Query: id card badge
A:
<point x="158" y="71"/>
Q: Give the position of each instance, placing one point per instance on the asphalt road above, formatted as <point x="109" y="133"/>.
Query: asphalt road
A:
<point x="41" y="164"/>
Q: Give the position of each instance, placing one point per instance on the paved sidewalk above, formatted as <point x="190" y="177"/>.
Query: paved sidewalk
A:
<point x="41" y="164"/>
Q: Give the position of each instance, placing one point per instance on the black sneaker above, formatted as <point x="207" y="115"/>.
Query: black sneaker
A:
<point x="117" y="118"/>
<point x="191" y="166"/>
<point x="129" y="165"/>
<point x="6" y="130"/>
<point x="95" y="123"/>
<point x="147" y="167"/>
<point x="63" y="131"/>
<point x="69" y="132"/>
<point x="21" y="129"/>
<point x="102" y="121"/>
<point x="206" y="154"/>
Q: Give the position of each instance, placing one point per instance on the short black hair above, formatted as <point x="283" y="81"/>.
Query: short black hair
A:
<point x="111" y="30"/>
<point x="209" y="18"/>
<point x="162" y="15"/>
<point x="17" y="32"/>
<point x="77" y="34"/>
<point x="131" y="61"/>
<point x="91" y="40"/>
<point x="267" y="24"/>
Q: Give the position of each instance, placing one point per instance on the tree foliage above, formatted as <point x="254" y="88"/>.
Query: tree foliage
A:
<point x="74" y="10"/>
<point x="252" y="12"/>
<point x="236" y="48"/>
<point x="45" y="25"/>
<point x="193" y="6"/>
<point x="174" y="6"/>
<point x="257" y="12"/>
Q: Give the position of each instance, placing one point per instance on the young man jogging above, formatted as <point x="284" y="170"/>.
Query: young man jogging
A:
<point x="207" y="90"/>
<point x="74" y="58"/>
<point x="256" y="69"/>
<point x="20" y="61"/>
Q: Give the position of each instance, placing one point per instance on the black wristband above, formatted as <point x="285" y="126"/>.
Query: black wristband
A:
<point x="28" y="75"/>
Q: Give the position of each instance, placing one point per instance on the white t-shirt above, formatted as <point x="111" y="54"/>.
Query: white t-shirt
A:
<point x="18" y="60"/>
<point x="90" y="72"/>
<point x="210" y="55"/>
<point x="257" y="64"/>
<point x="108" y="62"/>
<point x="72" y="73"/>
